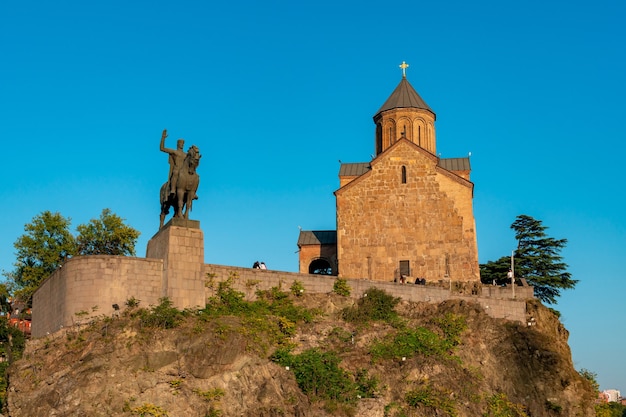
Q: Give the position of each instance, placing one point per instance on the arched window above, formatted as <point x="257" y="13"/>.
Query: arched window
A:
<point x="321" y="267"/>
<point x="403" y="174"/>
<point x="379" y="138"/>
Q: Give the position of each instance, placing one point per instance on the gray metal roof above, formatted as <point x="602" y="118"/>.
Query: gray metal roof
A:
<point x="354" y="169"/>
<point x="455" y="164"/>
<point x="404" y="96"/>
<point x="357" y="169"/>
<point x="317" y="237"/>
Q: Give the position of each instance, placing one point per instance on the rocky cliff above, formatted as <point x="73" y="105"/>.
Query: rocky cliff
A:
<point x="311" y="355"/>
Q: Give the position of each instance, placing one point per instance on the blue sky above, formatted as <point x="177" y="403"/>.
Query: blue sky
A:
<point x="274" y="93"/>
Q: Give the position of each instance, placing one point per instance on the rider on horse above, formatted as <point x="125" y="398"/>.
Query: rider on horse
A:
<point x="177" y="156"/>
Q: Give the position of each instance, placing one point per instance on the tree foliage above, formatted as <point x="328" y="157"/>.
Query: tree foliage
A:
<point x="48" y="242"/>
<point x="45" y="245"/>
<point x="592" y="378"/>
<point x="5" y="305"/>
<point x="537" y="259"/>
<point x="107" y="235"/>
<point x="611" y="409"/>
<point x="12" y="343"/>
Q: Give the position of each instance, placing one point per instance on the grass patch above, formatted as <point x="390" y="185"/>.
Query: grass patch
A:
<point x="433" y="398"/>
<point x="498" y="405"/>
<point x="408" y="342"/>
<point x="147" y="410"/>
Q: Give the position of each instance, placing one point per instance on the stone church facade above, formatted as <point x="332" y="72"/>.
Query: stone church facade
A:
<point x="405" y="214"/>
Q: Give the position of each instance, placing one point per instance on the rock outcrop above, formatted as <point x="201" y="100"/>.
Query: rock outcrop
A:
<point x="115" y="367"/>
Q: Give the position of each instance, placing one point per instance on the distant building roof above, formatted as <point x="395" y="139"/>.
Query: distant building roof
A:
<point x="455" y="164"/>
<point x="317" y="237"/>
<point x="354" y="169"/>
<point x="404" y="96"/>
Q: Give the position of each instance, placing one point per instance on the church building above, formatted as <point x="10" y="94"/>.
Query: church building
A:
<point x="406" y="214"/>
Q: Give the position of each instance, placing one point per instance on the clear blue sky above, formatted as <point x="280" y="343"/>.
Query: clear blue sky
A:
<point x="274" y="93"/>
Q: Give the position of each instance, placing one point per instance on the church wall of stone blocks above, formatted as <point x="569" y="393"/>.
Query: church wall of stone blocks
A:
<point x="405" y="215"/>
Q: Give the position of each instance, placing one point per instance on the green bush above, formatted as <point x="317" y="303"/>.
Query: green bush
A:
<point x="269" y="321"/>
<point x="375" y="305"/>
<point x="366" y="386"/>
<point x="277" y="302"/>
<point x="147" y="410"/>
<point x="550" y="406"/>
<point x="409" y="342"/>
<point x="163" y="315"/>
<point x="341" y="287"/>
<point x="428" y="396"/>
<point x="229" y="298"/>
<point x="214" y="394"/>
<point x="452" y="326"/>
<point x="611" y="409"/>
<point x="132" y="302"/>
<point x="498" y="405"/>
<point x="12" y="344"/>
<point x="297" y="288"/>
<point x="318" y="375"/>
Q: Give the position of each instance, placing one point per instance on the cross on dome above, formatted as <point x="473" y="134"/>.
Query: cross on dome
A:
<point x="404" y="66"/>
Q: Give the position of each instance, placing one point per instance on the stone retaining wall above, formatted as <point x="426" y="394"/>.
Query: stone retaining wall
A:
<point x="89" y="286"/>
<point x="498" y="302"/>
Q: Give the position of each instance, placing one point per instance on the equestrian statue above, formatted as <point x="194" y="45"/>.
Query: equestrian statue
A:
<point x="182" y="182"/>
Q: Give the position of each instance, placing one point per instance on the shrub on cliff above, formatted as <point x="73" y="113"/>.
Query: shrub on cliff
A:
<point x="375" y="305"/>
<point x="164" y="315"/>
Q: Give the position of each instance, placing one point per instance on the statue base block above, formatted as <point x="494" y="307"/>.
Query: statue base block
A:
<point x="190" y="224"/>
<point x="180" y="244"/>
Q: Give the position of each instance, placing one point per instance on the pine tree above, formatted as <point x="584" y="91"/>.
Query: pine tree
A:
<point x="537" y="259"/>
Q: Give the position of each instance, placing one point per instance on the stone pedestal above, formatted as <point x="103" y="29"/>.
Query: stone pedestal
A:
<point x="180" y="243"/>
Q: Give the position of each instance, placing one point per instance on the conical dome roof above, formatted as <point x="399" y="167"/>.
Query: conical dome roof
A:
<point x="404" y="96"/>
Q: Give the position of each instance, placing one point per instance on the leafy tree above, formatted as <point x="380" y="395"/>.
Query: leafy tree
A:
<point x="12" y="343"/>
<point x="537" y="259"/>
<point x="592" y="378"/>
<point x="611" y="409"/>
<point x="107" y="235"/>
<point x="5" y="305"/>
<point x="494" y="272"/>
<point x="46" y="244"/>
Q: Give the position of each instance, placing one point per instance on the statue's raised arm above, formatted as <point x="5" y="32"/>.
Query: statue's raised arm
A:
<point x="163" y="136"/>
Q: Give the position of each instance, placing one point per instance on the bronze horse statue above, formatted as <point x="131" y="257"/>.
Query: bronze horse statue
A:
<point x="186" y="187"/>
